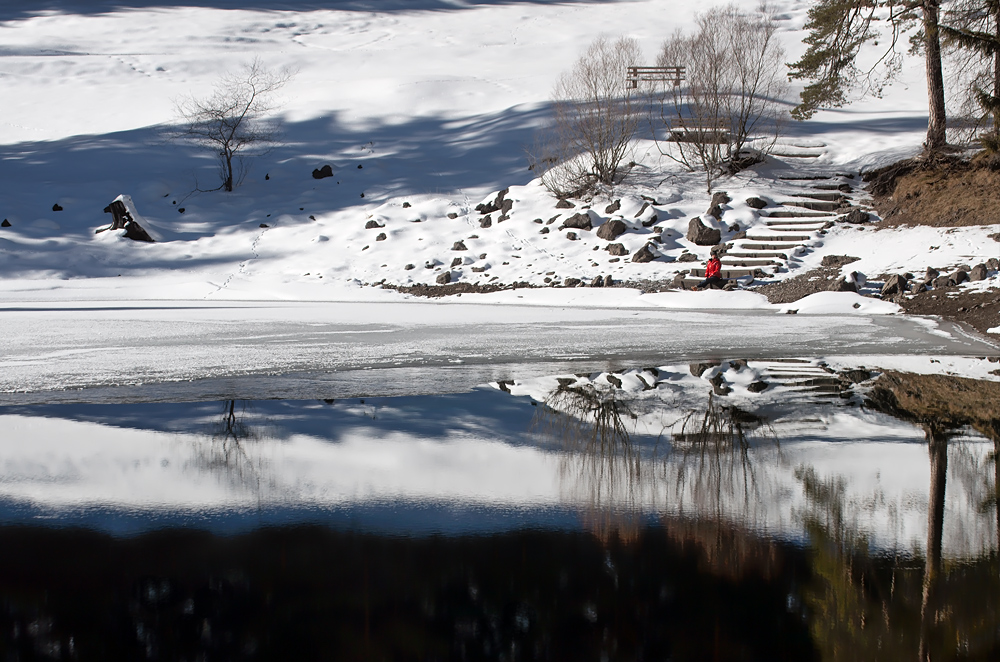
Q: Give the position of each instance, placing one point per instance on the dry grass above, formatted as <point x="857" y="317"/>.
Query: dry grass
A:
<point x="940" y="400"/>
<point x="943" y="193"/>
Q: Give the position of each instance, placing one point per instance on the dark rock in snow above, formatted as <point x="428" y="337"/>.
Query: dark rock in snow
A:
<point x="942" y="281"/>
<point x="702" y="236"/>
<point x="372" y="224"/>
<point x="571" y="236"/>
<point x="617" y="249"/>
<point x="719" y="385"/>
<point x="978" y="272"/>
<point x="649" y="222"/>
<point x="894" y="284"/>
<point x="644" y="254"/>
<point x="720" y="198"/>
<point x="180" y="210"/>
<point x="611" y="230"/>
<point x="486" y="221"/>
<point x="579" y="221"/>
<point x="571" y="282"/>
<point x="931" y="274"/>
<point x="444" y="278"/>
<point x="597" y="282"/>
<point x="993" y="264"/>
<point x="456" y="262"/>
<point x="459" y="246"/>
<point x="837" y="260"/>
<point x="843" y="285"/>
<point x="123" y="220"/>
<point x="645" y="206"/>
<point x="264" y="225"/>
<point x="855" y="216"/>
<point x="56" y="207"/>
<point x="757" y="387"/>
<point x="5" y="224"/>
<point x="613" y="207"/>
<point x="608" y="281"/>
<point x="917" y="287"/>
<point x="452" y="215"/>
<point x="756" y="203"/>
<point x="564" y="204"/>
<point x="409" y="267"/>
<point x="687" y="257"/>
<point x="698" y="369"/>
<point x="543" y="231"/>
<point x="406" y="205"/>
<point x="325" y="171"/>
<point x="715" y="211"/>
<point x="506" y="206"/>
<point x="614" y="381"/>
<point x="381" y="237"/>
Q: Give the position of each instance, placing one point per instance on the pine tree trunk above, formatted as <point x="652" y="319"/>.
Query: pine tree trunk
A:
<point x="938" y="449"/>
<point x="996" y="81"/>
<point x="936" y="138"/>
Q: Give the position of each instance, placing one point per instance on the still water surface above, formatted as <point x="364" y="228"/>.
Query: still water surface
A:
<point x="753" y="510"/>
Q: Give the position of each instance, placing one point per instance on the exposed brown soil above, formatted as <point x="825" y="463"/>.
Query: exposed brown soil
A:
<point x="793" y="289"/>
<point x="945" y="192"/>
<point x="980" y="310"/>
<point x="437" y="291"/>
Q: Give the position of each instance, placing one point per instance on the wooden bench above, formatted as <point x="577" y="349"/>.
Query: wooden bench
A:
<point x="633" y="75"/>
<point x="701" y="132"/>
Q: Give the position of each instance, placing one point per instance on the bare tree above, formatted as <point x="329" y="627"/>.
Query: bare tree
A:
<point x="728" y="110"/>
<point x="595" y="120"/>
<point x="235" y="120"/>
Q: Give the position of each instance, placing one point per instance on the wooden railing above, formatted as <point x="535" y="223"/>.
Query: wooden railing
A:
<point x="633" y="75"/>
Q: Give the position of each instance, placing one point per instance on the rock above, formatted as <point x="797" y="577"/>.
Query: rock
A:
<point x="614" y="381"/>
<point x="611" y="230"/>
<point x="486" y="221"/>
<point x="381" y="237"/>
<point x="858" y="278"/>
<point x="837" y="260"/>
<point x="359" y="166"/>
<point x="644" y="254"/>
<point x="543" y="231"/>
<point x="756" y="203"/>
<point x="687" y="257"/>
<point x="617" y="249"/>
<point x="56" y="207"/>
<point x="571" y="236"/>
<point x="502" y="218"/>
<point x="698" y="369"/>
<point x="571" y="282"/>
<point x="459" y="246"/>
<point x="506" y="206"/>
<point x="444" y="278"/>
<point x="855" y="216"/>
<point x="135" y="232"/>
<point x="857" y="375"/>
<point x="978" y="272"/>
<point x="478" y="270"/>
<point x="325" y="171"/>
<point x="372" y="224"/>
<point x="406" y="205"/>
<point x="735" y="227"/>
<point x="613" y="207"/>
<point x="942" y="281"/>
<point x="580" y="221"/>
<point x="456" y="262"/>
<point x="452" y="215"/>
<point x="409" y="267"/>
<point x="486" y="208"/>
<point x="649" y="222"/>
<point x="958" y="277"/>
<point x="931" y="274"/>
<point x="993" y="264"/>
<point x="564" y="204"/>
<point x="597" y="282"/>
<point x="702" y="236"/>
<point x="894" y="284"/>
<point x="645" y="206"/>
<point x="757" y="387"/>
<point x="5" y="224"/>
<point x="608" y="282"/>
<point x="843" y="285"/>
<point x="181" y="210"/>
<point x="917" y="288"/>
<point x="715" y="211"/>
<point x="742" y="234"/>
<point x="720" y="198"/>
<point x="844" y="188"/>
<point x="263" y="225"/>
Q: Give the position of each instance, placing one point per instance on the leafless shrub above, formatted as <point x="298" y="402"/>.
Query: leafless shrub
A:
<point x="235" y="121"/>
<point x="727" y="113"/>
<point x="595" y="121"/>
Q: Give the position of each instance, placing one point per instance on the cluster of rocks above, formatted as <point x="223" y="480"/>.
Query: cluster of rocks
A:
<point x="501" y="204"/>
<point x="898" y="284"/>
<point x="718" y="382"/>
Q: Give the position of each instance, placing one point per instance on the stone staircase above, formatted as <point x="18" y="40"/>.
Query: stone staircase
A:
<point x="801" y="376"/>
<point x="810" y="203"/>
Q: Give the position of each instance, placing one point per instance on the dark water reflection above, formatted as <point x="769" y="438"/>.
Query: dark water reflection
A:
<point x="726" y="510"/>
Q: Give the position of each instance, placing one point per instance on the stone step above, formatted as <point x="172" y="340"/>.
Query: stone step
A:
<point x="803" y="178"/>
<point x="800" y="155"/>
<point x="843" y="188"/>
<point x="756" y="255"/>
<point x="725" y="273"/>
<point x="815" y="226"/>
<point x="747" y="263"/>
<point x="769" y="247"/>
<point x="795" y="214"/>
<point x="780" y="237"/>
<point x="815" y="205"/>
<point x="829" y="197"/>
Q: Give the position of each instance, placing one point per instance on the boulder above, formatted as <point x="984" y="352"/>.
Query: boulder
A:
<point x="837" y="260"/>
<point x="855" y="216"/>
<point x="687" y="257"/>
<point x="617" y="249"/>
<point x="608" y="281"/>
<point x="931" y="275"/>
<point x="459" y="246"/>
<point x="571" y="282"/>
<point x="650" y="222"/>
<point x="486" y="221"/>
<point x="614" y="381"/>
<point x="942" y="281"/>
<point x="756" y="203"/>
<point x="571" y="236"/>
<point x="611" y="230"/>
<point x="372" y="224"/>
<point x="858" y="278"/>
<point x="597" y="282"/>
<point x="325" y="171"/>
<point x="487" y="208"/>
<point x="381" y="237"/>
<point x="506" y="206"/>
<point x="452" y="215"/>
<point x="543" y="231"/>
<point x="894" y="284"/>
<point x="564" y="204"/>
<point x="645" y="206"/>
<point x="406" y="205"/>
<point x="720" y="198"/>
<point x="5" y="224"/>
<point x="757" y="387"/>
<point x="644" y="254"/>
<point x="409" y="267"/>
<point x="917" y="287"/>
<point x="613" y="207"/>
<point x="125" y="216"/>
<point x="993" y="264"/>
<point x="958" y="277"/>
<point x="444" y="278"/>
<point x="978" y="272"/>
<point x="702" y="236"/>
<point x="698" y="369"/>
<point x="719" y="385"/>
<point x="843" y="285"/>
<point x="715" y="211"/>
<point x="579" y="221"/>
<point x="456" y="262"/>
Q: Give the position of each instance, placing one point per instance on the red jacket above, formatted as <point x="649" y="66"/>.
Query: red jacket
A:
<point x="713" y="267"/>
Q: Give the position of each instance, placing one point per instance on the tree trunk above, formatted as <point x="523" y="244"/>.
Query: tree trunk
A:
<point x="938" y="448"/>
<point x="936" y="138"/>
<point x="996" y="80"/>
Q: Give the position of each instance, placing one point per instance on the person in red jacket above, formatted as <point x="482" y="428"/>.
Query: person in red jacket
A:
<point x="712" y="274"/>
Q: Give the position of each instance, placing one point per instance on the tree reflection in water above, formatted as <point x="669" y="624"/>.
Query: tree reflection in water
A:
<point x="227" y="454"/>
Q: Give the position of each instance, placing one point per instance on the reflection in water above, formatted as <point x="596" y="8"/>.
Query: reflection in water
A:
<point x="704" y="538"/>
